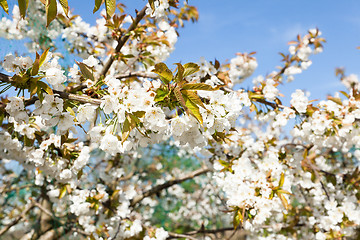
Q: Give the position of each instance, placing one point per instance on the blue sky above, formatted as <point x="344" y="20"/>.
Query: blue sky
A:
<point x="265" y="26"/>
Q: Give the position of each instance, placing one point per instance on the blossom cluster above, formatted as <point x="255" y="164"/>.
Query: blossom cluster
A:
<point x="117" y="141"/>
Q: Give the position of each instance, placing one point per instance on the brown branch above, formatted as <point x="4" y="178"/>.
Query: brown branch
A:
<point x="271" y="104"/>
<point x="167" y="184"/>
<point x="210" y="231"/>
<point x="122" y="40"/>
<point x="6" y="190"/>
<point x="178" y="235"/>
<point x="78" y="98"/>
<point x="137" y="74"/>
<point x="64" y="95"/>
<point x="16" y="220"/>
<point x="202" y="231"/>
<point x="36" y="204"/>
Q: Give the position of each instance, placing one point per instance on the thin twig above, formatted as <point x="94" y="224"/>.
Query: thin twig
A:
<point x="16" y="220"/>
<point x="42" y="208"/>
<point x="167" y="184"/>
<point x="201" y="231"/>
<point x="122" y="40"/>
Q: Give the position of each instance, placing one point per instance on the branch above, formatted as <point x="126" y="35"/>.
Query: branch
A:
<point x="64" y="95"/>
<point x="42" y="208"/>
<point x="271" y="104"/>
<point x="167" y="184"/>
<point x="122" y="40"/>
<point x="178" y="235"/>
<point x="78" y="98"/>
<point x="203" y="231"/>
<point x="138" y="74"/>
<point x="16" y="220"/>
<point x="210" y="231"/>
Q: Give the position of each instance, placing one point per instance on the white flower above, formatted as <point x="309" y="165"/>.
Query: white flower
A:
<point x="270" y="91"/>
<point x="91" y="61"/>
<point x="55" y="76"/>
<point x="161" y="234"/>
<point x="86" y="112"/>
<point x="109" y="144"/>
<point x="82" y="159"/>
<point x="179" y="126"/>
<point x="65" y="174"/>
<point x="299" y="101"/>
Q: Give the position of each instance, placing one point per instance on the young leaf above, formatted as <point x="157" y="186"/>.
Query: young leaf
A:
<point x="190" y="68"/>
<point x="198" y="86"/>
<point x="43" y="57"/>
<point x="33" y="89"/>
<point x="283" y="200"/>
<point x="193" y="97"/>
<point x="23" y="5"/>
<point x="282" y="179"/>
<point x="152" y="4"/>
<point x="180" y="98"/>
<point x="180" y="73"/>
<point x="51" y="11"/>
<point x="65" y="6"/>
<point x="35" y="67"/>
<point x="129" y="124"/>
<point x="85" y="71"/>
<point x="161" y="94"/>
<point x="45" y="87"/>
<point x="110" y="7"/>
<point x="194" y="109"/>
<point x="238" y="218"/>
<point x="98" y="4"/>
<point x="162" y="70"/>
<point x="4" y="5"/>
<point x="71" y="111"/>
<point x="62" y="192"/>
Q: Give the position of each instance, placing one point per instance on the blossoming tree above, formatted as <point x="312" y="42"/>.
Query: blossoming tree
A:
<point x="118" y="145"/>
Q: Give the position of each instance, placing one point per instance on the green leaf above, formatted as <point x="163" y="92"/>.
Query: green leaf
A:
<point x="85" y="71"/>
<point x="283" y="200"/>
<point x="161" y="94"/>
<point x="282" y="191"/>
<point x="194" y="110"/>
<point x="110" y="7"/>
<point x="139" y="114"/>
<point x="45" y="87"/>
<point x="23" y="5"/>
<point x="238" y="218"/>
<point x="152" y="4"/>
<point x="129" y="124"/>
<point x="51" y="11"/>
<point x="163" y="71"/>
<point x="1" y="118"/>
<point x="98" y="4"/>
<point x="180" y="73"/>
<point x="43" y="57"/>
<point x="180" y="98"/>
<point x="281" y="181"/>
<point x="65" y="6"/>
<point x="190" y="68"/>
<point x="198" y="86"/>
<point x="4" y="5"/>
<point x="71" y="111"/>
<point x="33" y="89"/>
<point x="193" y="97"/>
<point x="35" y="67"/>
<point x="62" y="192"/>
